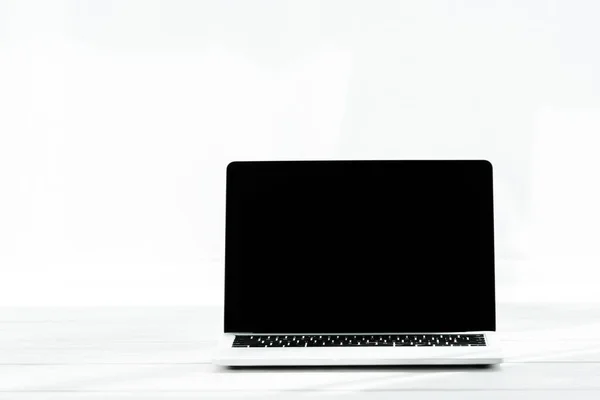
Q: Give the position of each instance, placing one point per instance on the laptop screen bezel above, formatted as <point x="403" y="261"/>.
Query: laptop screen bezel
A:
<point x="232" y="323"/>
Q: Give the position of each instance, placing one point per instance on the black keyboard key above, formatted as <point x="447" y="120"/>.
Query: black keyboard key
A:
<point x="397" y="340"/>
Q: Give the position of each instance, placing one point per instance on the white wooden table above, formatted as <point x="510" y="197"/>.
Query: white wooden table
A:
<point x="552" y="351"/>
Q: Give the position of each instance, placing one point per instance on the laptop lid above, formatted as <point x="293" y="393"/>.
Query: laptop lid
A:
<point x="359" y="247"/>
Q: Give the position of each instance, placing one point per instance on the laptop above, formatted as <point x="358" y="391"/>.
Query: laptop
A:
<point x="359" y="263"/>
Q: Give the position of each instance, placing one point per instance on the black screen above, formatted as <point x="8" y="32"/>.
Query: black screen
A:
<point x="359" y="246"/>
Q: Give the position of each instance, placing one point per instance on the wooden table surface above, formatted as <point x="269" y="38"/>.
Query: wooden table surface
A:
<point x="552" y="351"/>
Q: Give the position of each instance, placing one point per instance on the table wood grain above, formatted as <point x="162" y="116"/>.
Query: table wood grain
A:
<point x="552" y="351"/>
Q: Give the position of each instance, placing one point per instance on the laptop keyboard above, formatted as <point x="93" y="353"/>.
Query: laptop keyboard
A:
<point x="408" y="340"/>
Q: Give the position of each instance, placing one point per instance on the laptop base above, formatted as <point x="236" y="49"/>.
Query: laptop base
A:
<point x="226" y="355"/>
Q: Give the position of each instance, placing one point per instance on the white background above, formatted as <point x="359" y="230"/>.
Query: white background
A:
<point x="117" y="120"/>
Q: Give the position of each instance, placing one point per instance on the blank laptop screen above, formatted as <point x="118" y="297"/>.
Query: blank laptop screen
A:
<point x="359" y="246"/>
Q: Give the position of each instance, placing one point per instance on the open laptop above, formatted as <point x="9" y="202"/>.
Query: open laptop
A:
<point x="359" y="263"/>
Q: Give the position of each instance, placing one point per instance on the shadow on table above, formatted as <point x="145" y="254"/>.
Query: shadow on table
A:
<point x="364" y="368"/>
<point x="385" y="380"/>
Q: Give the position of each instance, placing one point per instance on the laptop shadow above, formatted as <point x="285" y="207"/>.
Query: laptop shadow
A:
<point x="364" y="368"/>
